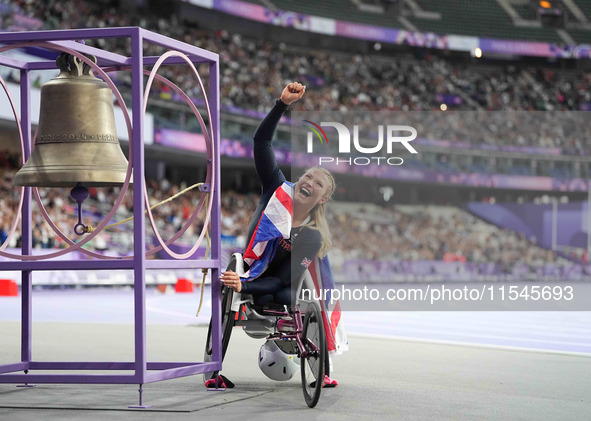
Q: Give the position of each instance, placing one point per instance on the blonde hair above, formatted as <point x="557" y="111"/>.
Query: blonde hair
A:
<point x="318" y="216"/>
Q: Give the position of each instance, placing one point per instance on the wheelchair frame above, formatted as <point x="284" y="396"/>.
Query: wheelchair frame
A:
<point x="313" y="352"/>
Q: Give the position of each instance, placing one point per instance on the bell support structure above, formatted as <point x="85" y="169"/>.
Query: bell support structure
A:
<point x="23" y="372"/>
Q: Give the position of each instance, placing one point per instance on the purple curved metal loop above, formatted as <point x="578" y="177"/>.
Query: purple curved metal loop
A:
<point x="22" y="189"/>
<point x="77" y="246"/>
<point x="208" y="146"/>
<point x="209" y="178"/>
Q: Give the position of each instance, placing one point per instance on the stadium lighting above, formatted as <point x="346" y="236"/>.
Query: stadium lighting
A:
<point x="549" y="13"/>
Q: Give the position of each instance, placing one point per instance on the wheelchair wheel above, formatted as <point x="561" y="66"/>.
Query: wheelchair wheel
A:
<point x="228" y="317"/>
<point x="313" y="364"/>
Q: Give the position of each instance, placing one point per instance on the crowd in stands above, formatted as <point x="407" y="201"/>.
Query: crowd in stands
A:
<point x="169" y="216"/>
<point x="429" y="233"/>
<point x="379" y="233"/>
<point x="253" y="70"/>
<point x="533" y="133"/>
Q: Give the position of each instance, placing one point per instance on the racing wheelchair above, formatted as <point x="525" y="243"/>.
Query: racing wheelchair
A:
<point x="292" y="333"/>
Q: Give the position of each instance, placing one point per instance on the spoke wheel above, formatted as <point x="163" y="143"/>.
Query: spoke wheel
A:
<point x="313" y="364"/>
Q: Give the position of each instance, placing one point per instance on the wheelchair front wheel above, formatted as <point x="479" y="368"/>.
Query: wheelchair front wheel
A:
<point x="313" y="364"/>
<point x="228" y="320"/>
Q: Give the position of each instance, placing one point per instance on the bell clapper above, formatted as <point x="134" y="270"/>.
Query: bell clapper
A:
<point x="79" y="194"/>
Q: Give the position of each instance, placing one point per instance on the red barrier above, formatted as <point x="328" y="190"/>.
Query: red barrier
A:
<point x="8" y="288"/>
<point x="183" y="285"/>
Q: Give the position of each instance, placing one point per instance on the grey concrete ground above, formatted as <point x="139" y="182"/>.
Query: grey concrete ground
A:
<point x="380" y="379"/>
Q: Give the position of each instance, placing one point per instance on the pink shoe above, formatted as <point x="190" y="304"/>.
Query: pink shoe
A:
<point x="328" y="382"/>
<point x="223" y="383"/>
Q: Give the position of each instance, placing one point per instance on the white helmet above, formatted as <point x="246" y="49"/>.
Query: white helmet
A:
<point x="276" y="364"/>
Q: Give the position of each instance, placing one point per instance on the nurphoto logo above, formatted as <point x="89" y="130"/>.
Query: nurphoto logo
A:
<point x="388" y="136"/>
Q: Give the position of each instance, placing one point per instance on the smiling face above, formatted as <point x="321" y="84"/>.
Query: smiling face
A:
<point x="312" y="188"/>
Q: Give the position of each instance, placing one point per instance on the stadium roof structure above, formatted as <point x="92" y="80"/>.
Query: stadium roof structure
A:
<point x="506" y="27"/>
<point x="505" y="19"/>
<point x="484" y="18"/>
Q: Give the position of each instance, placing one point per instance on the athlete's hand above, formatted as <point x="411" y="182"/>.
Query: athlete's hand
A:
<point x="231" y="279"/>
<point x="292" y="93"/>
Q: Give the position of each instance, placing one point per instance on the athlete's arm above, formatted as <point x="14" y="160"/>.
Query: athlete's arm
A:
<point x="270" y="176"/>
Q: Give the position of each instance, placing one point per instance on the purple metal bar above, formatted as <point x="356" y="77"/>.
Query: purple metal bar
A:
<point x="42" y="65"/>
<point x="124" y="62"/>
<point x="149" y="61"/>
<point x="106" y="57"/>
<point x="10" y="368"/>
<point x="195" y="53"/>
<point x="81" y="365"/>
<point x="173" y="373"/>
<point x="27" y="235"/>
<point x="167" y="366"/>
<point x="110" y="264"/>
<point x="70" y="378"/>
<point x="14" y="63"/>
<point x="71" y="264"/>
<point x="139" y="234"/>
<point x="68" y="34"/>
<point x="94" y="365"/>
<point x="216" y="249"/>
<point x="182" y="264"/>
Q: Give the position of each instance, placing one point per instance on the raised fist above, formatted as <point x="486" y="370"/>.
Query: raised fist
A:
<point x="292" y="92"/>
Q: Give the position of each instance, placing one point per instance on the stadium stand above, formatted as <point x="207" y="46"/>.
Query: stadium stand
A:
<point x="360" y="230"/>
<point x="482" y="18"/>
<point x="335" y="9"/>
<point x="391" y="81"/>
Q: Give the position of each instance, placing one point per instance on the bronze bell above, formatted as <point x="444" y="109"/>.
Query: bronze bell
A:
<point x="77" y="140"/>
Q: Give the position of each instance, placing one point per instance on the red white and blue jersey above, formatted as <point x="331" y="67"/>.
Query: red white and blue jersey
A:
<point x="274" y="225"/>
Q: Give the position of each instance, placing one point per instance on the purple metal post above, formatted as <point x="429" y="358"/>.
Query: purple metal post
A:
<point x="216" y="250"/>
<point x="140" y="366"/>
<point x="27" y="240"/>
<point x="139" y="235"/>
